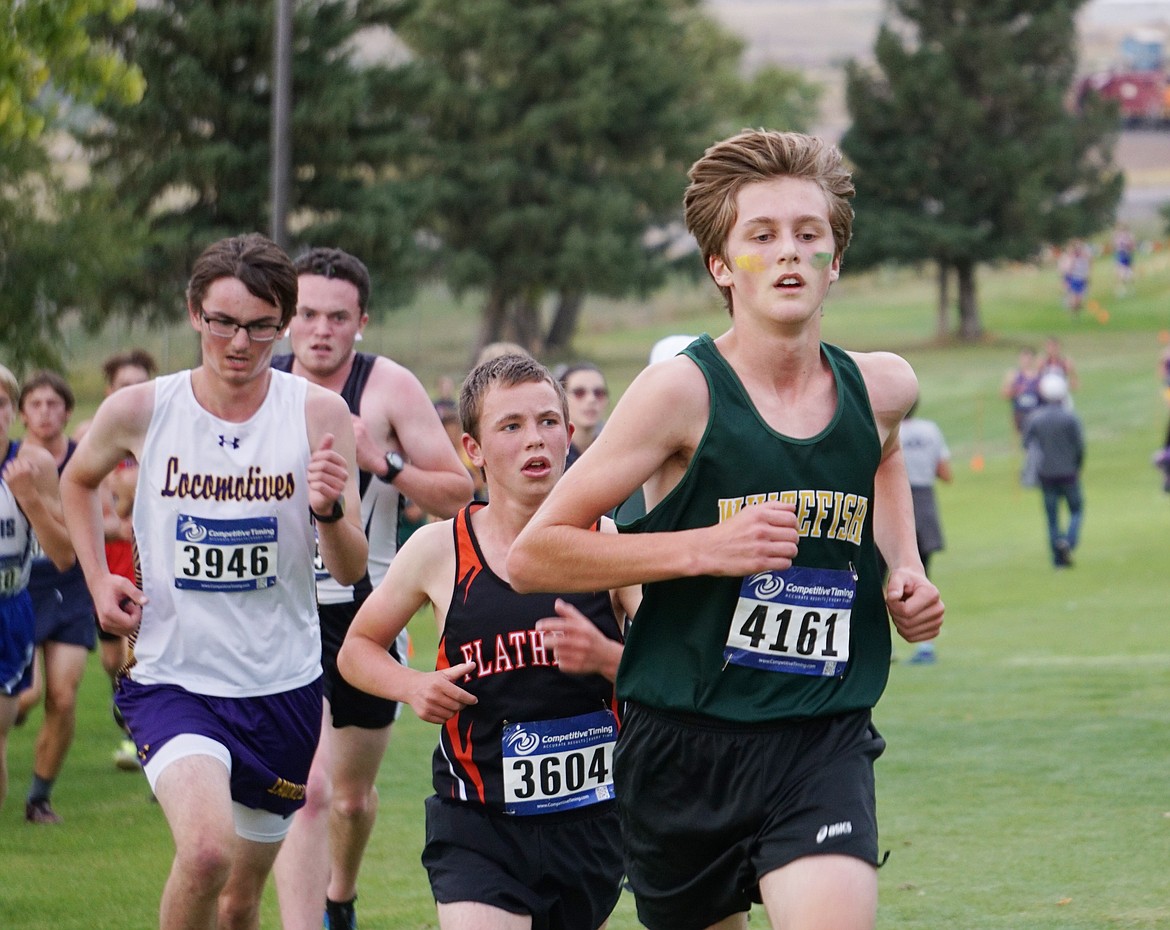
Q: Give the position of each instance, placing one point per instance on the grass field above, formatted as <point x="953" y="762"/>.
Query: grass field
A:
<point x="1027" y="781"/>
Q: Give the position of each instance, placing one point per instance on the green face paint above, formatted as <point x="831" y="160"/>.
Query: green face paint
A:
<point x="749" y="263"/>
<point x="822" y="260"/>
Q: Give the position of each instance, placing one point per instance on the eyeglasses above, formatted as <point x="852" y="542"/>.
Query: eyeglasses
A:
<point x="224" y="328"/>
<point x="580" y="393"/>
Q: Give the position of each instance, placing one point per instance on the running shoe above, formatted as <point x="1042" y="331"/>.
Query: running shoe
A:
<point x="126" y="756"/>
<point x="40" y="811"/>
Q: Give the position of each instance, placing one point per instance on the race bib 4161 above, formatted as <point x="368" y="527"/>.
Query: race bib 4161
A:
<point x="794" y="621"/>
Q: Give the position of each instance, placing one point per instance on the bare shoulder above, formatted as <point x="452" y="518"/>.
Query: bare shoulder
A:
<point x="324" y="405"/>
<point x="41" y="460"/>
<point x="393" y="393"/>
<point x="124" y="417"/>
<point x="669" y="396"/>
<point x="427" y="558"/>
<point x="429" y="540"/>
<point x="890" y="381"/>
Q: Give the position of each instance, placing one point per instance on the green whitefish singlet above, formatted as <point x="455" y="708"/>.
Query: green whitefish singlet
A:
<point x="676" y="654"/>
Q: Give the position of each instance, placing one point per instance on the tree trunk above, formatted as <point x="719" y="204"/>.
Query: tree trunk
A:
<point x="944" y="297"/>
<point x="565" y="319"/>
<point x="970" y="325"/>
<point x="525" y="319"/>
<point x="491" y="326"/>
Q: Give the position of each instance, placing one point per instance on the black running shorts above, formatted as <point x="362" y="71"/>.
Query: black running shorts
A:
<point x="708" y="807"/>
<point x="564" y="870"/>
<point x="349" y="706"/>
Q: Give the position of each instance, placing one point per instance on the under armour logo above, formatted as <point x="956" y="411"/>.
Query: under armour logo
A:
<point x="234" y="442"/>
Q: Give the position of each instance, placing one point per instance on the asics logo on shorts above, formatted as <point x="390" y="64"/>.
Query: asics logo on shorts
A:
<point x="830" y="831"/>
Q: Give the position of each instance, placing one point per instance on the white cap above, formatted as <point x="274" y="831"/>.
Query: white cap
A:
<point x="1053" y="387"/>
<point x="669" y="347"/>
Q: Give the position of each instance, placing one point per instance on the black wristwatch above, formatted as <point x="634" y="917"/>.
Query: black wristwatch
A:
<point x="394" y="463"/>
<point x="334" y="515"/>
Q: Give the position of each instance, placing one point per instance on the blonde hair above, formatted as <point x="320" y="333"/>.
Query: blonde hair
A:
<point x="10" y="385"/>
<point x="760" y="155"/>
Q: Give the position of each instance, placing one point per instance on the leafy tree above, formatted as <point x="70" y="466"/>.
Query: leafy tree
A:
<point x="56" y="241"/>
<point x="58" y="245"/>
<point x="46" y="44"/>
<point x="193" y="158"/>
<point x="963" y="147"/>
<point x="555" y="135"/>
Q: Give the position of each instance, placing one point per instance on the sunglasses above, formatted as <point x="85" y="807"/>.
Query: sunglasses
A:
<point x="580" y="393"/>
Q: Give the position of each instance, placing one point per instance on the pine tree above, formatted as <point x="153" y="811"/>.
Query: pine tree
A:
<point x="193" y="158"/>
<point x="964" y="149"/>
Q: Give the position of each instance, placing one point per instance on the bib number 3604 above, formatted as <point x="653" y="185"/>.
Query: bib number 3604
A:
<point x="557" y="765"/>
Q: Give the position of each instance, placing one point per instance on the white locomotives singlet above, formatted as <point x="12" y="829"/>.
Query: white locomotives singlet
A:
<point x="221" y="520"/>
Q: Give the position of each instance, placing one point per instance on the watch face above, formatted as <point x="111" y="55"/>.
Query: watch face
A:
<point x="395" y="461"/>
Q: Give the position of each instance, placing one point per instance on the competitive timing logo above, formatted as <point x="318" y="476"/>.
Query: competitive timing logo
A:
<point x="766" y="585"/>
<point x="523" y="742"/>
<point x="192" y="531"/>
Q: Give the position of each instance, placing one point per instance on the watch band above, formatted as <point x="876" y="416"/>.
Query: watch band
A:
<point x="333" y="516"/>
<point x="394" y="466"/>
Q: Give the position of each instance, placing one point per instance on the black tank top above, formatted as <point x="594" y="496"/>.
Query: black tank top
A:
<point x="44" y="575"/>
<point x="351" y="393"/>
<point x="516" y="680"/>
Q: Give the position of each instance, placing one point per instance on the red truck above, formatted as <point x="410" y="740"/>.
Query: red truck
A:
<point x="1140" y="84"/>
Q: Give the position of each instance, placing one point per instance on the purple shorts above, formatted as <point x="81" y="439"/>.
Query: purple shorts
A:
<point x="271" y="739"/>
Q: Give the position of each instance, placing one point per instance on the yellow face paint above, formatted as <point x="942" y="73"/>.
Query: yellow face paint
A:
<point x="821" y="260"/>
<point x="749" y="263"/>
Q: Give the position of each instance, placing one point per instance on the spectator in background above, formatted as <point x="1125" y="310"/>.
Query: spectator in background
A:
<point x="669" y="347"/>
<point x="497" y="349"/>
<point x="1162" y="456"/>
<point x="449" y="417"/>
<point x="1124" y="246"/>
<point x="927" y="459"/>
<point x="1021" y="386"/>
<point x="1055" y="361"/>
<point x="1075" y="266"/>
<point x="445" y="391"/>
<point x="588" y="395"/>
<point x="1054" y="434"/>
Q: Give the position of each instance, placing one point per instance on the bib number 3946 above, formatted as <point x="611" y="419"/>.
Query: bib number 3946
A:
<point x="558" y="765"/>
<point x="794" y="621"/>
<point x="225" y="555"/>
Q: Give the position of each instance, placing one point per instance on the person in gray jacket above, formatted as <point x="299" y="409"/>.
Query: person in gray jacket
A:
<point x="1055" y="436"/>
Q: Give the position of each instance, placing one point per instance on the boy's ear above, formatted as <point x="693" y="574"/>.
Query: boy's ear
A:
<point x="719" y="270"/>
<point x="473" y="450"/>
